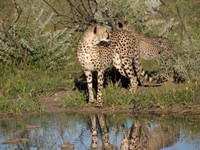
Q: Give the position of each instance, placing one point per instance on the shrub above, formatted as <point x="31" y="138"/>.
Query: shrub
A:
<point x="32" y="40"/>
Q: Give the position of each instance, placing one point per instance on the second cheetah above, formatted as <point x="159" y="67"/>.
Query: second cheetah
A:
<point x="126" y="56"/>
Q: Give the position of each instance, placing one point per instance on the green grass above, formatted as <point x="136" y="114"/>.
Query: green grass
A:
<point x="37" y="58"/>
<point x="20" y="89"/>
<point x="74" y="99"/>
<point x="114" y="96"/>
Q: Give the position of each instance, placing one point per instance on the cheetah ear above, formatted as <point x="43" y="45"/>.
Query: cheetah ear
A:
<point x="95" y="30"/>
<point x="120" y="24"/>
<point x="125" y="22"/>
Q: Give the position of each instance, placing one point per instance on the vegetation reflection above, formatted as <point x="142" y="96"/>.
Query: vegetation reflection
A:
<point x="96" y="131"/>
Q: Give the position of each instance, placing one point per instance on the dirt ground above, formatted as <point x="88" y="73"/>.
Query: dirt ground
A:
<point x="52" y="104"/>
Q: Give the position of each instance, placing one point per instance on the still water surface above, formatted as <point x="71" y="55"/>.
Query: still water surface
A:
<point x="98" y="131"/>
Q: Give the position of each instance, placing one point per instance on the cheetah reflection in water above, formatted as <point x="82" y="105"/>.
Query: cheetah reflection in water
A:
<point x="138" y="137"/>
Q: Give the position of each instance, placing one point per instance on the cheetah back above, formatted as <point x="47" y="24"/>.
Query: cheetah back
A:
<point x="124" y="52"/>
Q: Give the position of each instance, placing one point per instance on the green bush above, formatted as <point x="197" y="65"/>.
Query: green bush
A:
<point x="33" y="41"/>
<point x="176" y="20"/>
<point x="39" y="38"/>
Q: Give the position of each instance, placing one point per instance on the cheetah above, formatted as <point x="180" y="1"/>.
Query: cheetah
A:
<point x="103" y="129"/>
<point x="148" y="47"/>
<point x="94" y="57"/>
<point x="136" y="138"/>
<point x="126" y="56"/>
<point x="141" y="136"/>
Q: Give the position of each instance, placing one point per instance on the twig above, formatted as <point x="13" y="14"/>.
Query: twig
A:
<point x="90" y="8"/>
<point x="96" y="8"/>
<point x="52" y="8"/>
<point x="162" y="14"/>
<point x="183" y="27"/>
<point x="77" y="10"/>
<point x="19" y="12"/>
<point x="85" y="8"/>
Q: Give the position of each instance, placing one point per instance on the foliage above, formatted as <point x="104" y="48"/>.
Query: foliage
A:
<point x="74" y="99"/>
<point x="116" y="97"/>
<point x="38" y="41"/>
<point x="20" y="90"/>
<point x="177" y="20"/>
<point x="32" y="39"/>
<point x="41" y="34"/>
<point x="20" y="104"/>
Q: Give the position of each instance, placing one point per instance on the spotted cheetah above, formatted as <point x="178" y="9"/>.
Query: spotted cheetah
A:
<point x="94" y="57"/>
<point x="136" y="138"/>
<point x="103" y="130"/>
<point x="148" y="47"/>
<point x="126" y="56"/>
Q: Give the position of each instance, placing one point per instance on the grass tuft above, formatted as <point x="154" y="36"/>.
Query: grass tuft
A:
<point x="73" y="99"/>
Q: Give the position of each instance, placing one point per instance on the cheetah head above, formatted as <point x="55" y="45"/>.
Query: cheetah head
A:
<point x="96" y="34"/>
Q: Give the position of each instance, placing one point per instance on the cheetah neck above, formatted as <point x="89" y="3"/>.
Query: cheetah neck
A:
<point x="86" y="44"/>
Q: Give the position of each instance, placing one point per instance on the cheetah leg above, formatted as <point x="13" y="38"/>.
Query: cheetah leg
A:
<point x="120" y="69"/>
<point x="130" y="73"/>
<point x="104" y="131"/>
<point x="88" y="75"/>
<point x="134" y="135"/>
<point x="124" y="143"/>
<point x="117" y="63"/>
<point x="139" y="70"/>
<point x="139" y="136"/>
<point x="94" y="145"/>
<point x="99" y="102"/>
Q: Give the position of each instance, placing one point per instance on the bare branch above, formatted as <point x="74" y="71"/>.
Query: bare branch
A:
<point x="90" y="7"/>
<point x="85" y="8"/>
<point x="19" y="12"/>
<point x="162" y="14"/>
<point x="52" y="8"/>
<point x="77" y="10"/>
<point x="96" y="7"/>
<point x="72" y="18"/>
<point x="183" y="27"/>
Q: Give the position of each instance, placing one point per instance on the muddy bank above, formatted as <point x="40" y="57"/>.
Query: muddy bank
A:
<point x="52" y="103"/>
<point x="187" y="111"/>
